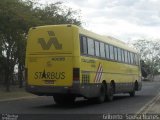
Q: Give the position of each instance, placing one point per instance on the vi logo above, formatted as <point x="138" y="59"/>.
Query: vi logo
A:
<point x="52" y="41"/>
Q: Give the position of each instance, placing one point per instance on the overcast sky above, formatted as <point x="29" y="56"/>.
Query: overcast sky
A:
<point x="123" y="19"/>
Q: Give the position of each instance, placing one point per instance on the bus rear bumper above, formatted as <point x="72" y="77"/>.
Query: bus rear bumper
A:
<point x="51" y="90"/>
<point x="76" y="90"/>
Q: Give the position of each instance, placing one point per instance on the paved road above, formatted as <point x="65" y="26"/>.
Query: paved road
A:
<point x="45" y="105"/>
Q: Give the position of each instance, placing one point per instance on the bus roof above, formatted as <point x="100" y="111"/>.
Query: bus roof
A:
<point x="107" y="39"/>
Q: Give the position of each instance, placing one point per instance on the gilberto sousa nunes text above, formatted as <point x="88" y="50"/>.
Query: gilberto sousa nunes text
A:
<point x="131" y="116"/>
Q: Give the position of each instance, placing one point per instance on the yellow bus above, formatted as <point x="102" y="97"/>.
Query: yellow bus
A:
<point x="66" y="61"/>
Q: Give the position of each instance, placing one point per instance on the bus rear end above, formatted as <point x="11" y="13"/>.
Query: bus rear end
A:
<point x="50" y="66"/>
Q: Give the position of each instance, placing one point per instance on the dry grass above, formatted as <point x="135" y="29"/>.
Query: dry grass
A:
<point x="15" y="92"/>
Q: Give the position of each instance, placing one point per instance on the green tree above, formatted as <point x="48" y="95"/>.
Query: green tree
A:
<point x="16" y="17"/>
<point x="57" y="13"/>
<point x="150" y="53"/>
<point x="10" y="29"/>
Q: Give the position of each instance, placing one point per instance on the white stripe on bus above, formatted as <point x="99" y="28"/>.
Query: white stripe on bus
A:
<point x="98" y="73"/>
<point x="101" y="74"/>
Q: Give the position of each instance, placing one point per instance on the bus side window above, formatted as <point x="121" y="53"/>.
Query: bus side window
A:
<point x="131" y="58"/>
<point x="136" y="59"/>
<point x="90" y="46"/>
<point x="126" y="56"/>
<point x="111" y="50"/>
<point x="102" y="50"/>
<point x="107" y="50"/>
<point x="97" y="48"/>
<point x="119" y="55"/>
<point x="123" y="56"/>
<point x="115" y="53"/>
<point x="83" y="41"/>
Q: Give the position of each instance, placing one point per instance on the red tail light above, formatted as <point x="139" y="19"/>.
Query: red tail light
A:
<point x="76" y="74"/>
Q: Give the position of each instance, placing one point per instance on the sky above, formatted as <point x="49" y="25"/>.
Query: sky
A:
<point x="126" y="20"/>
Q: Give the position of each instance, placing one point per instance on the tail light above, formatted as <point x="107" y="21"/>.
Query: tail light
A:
<point x="76" y="74"/>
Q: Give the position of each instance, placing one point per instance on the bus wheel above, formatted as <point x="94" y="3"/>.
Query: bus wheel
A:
<point x="102" y="96"/>
<point x="64" y="99"/>
<point x="110" y="92"/>
<point x="132" y="93"/>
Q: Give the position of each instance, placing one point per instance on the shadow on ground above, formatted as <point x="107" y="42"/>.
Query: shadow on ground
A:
<point x="83" y="103"/>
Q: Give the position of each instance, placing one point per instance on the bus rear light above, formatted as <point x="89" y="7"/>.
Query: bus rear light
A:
<point x="76" y="74"/>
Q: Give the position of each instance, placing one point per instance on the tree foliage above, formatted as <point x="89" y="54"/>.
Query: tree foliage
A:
<point x="16" y="17"/>
<point x="150" y="54"/>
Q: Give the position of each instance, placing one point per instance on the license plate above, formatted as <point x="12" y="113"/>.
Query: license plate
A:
<point x="49" y="81"/>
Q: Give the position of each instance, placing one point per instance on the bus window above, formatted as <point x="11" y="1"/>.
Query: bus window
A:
<point x="126" y="56"/>
<point x="111" y="52"/>
<point x="107" y="51"/>
<point x="136" y="59"/>
<point x="90" y="46"/>
<point x="102" y="50"/>
<point x="97" y="48"/>
<point x="119" y="55"/>
<point x="123" y="56"/>
<point x="83" y="44"/>
<point x="129" y="58"/>
<point x="115" y="53"/>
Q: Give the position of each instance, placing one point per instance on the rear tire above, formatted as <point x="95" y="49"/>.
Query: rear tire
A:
<point x="136" y="86"/>
<point x="132" y="93"/>
<point x="64" y="99"/>
<point x="102" y="96"/>
<point x="110" y="92"/>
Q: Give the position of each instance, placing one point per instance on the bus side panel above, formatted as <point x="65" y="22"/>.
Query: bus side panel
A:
<point x="94" y="71"/>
